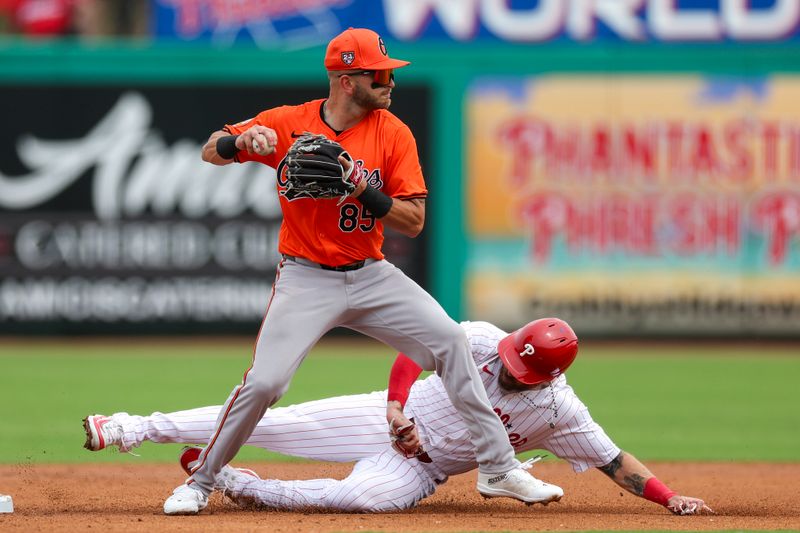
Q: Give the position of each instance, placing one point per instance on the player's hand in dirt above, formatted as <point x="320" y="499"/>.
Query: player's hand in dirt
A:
<point x="686" y="505"/>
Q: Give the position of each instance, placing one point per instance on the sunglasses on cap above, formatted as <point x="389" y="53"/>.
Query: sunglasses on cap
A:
<point x="380" y="78"/>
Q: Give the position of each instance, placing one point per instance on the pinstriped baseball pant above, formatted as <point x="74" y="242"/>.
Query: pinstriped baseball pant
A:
<point x="382" y="482"/>
<point x="341" y="429"/>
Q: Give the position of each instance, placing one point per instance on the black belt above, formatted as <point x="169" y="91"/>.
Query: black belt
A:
<point x="341" y="268"/>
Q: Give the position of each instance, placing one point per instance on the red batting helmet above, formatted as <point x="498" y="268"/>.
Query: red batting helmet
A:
<point x="539" y="351"/>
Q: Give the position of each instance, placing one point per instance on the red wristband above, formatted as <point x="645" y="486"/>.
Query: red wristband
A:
<point x="657" y="492"/>
<point x="404" y="373"/>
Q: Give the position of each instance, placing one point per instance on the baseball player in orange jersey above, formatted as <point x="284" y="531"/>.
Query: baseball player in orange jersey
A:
<point x="334" y="274"/>
<point x="522" y="376"/>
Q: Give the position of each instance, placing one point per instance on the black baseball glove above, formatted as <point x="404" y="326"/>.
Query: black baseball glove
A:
<point x="311" y="169"/>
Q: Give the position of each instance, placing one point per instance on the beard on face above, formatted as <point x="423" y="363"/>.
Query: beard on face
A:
<point x="509" y="383"/>
<point x="369" y="101"/>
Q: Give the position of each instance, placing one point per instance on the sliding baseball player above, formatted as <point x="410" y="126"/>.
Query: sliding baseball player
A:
<point x="427" y="441"/>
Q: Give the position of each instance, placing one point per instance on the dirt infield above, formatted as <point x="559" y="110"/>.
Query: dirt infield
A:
<point x="114" y="498"/>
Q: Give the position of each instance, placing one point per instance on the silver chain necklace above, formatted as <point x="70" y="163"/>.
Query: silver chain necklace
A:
<point x="552" y="406"/>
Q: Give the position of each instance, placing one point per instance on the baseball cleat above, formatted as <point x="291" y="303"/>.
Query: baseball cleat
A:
<point x="101" y="432"/>
<point x="234" y="482"/>
<point x="185" y="500"/>
<point x="520" y="485"/>
<point x="229" y="477"/>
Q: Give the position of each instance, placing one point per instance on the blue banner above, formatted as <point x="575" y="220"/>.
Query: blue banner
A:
<point x="267" y="23"/>
<point x="299" y="23"/>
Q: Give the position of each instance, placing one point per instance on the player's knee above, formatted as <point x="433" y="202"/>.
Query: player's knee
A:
<point x="355" y="506"/>
<point x="373" y="503"/>
<point x="269" y="386"/>
<point x="384" y="506"/>
<point x="454" y="335"/>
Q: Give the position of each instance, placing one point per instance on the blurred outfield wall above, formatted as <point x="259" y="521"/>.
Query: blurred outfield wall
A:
<point x="630" y="189"/>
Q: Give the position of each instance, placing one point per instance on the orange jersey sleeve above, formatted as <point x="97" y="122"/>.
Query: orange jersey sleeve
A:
<point x="404" y="167"/>
<point x="324" y="230"/>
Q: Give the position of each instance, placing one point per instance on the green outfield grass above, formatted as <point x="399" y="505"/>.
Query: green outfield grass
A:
<point x="664" y="403"/>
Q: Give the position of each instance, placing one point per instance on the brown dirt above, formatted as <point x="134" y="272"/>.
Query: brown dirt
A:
<point x="115" y="498"/>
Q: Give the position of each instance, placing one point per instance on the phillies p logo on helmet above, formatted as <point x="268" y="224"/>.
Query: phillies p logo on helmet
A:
<point x="529" y="350"/>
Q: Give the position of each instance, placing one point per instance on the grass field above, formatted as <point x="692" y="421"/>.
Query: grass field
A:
<point x="664" y="402"/>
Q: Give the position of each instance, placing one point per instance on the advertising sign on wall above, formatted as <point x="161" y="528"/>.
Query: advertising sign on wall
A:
<point x="635" y="204"/>
<point x="111" y="222"/>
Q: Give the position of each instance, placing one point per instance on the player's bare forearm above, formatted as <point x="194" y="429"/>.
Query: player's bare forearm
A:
<point x="406" y="216"/>
<point x="210" y="154"/>
<point x="627" y="472"/>
<point x="394" y="410"/>
<point x="630" y="474"/>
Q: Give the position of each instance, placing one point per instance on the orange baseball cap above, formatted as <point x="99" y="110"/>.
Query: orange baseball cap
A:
<point x="359" y="48"/>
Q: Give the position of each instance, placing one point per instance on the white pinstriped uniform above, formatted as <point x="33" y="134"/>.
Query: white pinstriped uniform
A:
<point x="353" y="428"/>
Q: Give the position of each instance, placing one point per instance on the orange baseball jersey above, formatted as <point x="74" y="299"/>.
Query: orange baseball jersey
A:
<point x="384" y="151"/>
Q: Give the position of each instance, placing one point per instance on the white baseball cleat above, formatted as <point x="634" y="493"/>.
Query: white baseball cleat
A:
<point x="230" y="477"/>
<point x="101" y="432"/>
<point x="233" y="483"/>
<point x="185" y="500"/>
<point x="520" y="485"/>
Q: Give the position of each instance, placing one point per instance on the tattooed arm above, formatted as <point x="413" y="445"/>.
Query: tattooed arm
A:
<point x="630" y="474"/>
